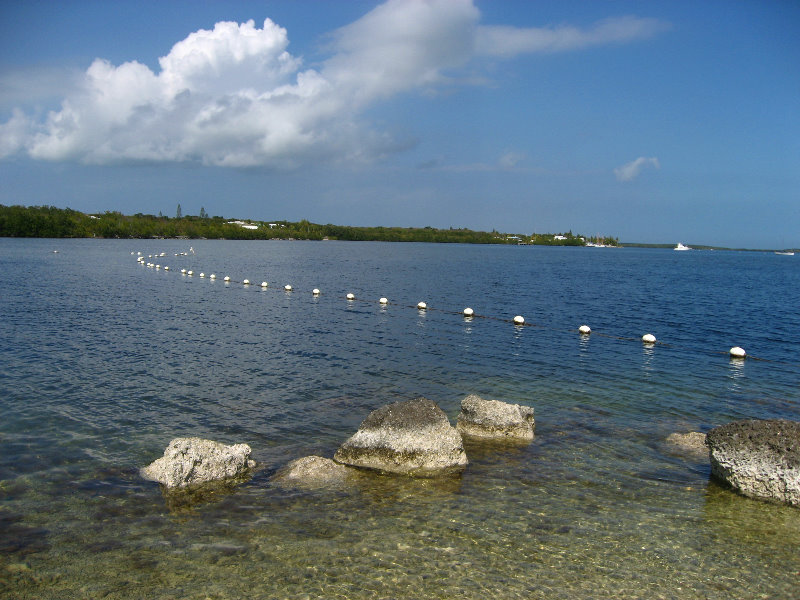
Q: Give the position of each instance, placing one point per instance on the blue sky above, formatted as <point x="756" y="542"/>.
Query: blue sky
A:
<point x="650" y="121"/>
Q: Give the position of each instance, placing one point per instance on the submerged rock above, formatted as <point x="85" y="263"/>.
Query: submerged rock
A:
<point x="193" y="461"/>
<point x="693" y="442"/>
<point x="759" y="458"/>
<point x="412" y="437"/>
<point x="495" y="419"/>
<point x="314" y="471"/>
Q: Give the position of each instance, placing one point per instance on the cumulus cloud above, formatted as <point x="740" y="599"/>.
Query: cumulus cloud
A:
<point x="235" y="96"/>
<point x="631" y="170"/>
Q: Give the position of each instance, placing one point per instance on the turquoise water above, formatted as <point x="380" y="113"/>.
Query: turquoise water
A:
<point x="104" y="361"/>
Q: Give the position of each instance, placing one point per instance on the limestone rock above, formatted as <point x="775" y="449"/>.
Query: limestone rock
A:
<point x="314" y="471"/>
<point x="693" y="442"/>
<point x="193" y="461"/>
<point x="412" y="437"/>
<point x="495" y="419"/>
<point x="759" y="458"/>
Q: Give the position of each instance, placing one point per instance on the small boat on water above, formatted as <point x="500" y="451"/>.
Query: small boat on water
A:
<point x="784" y="252"/>
<point x="681" y="247"/>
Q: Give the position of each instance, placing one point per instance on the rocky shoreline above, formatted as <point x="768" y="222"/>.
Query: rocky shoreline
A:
<point x="757" y="458"/>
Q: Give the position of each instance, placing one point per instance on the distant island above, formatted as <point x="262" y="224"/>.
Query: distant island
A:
<point x="52" y="222"/>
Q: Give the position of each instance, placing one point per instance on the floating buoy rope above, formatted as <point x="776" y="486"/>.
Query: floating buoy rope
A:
<point x="736" y="353"/>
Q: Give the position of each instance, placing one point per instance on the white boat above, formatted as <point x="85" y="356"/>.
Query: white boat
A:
<point x="681" y="247"/>
<point x="784" y="252"/>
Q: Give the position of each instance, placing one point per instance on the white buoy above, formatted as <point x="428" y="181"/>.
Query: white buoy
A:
<point x="190" y="272"/>
<point x="166" y="268"/>
<point x="468" y="312"/>
<point x="158" y="266"/>
<point x="422" y="306"/>
<point x="202" y="274"/>
<point x="183" y="270"/>
<point x="264" y="284"/>
<point x="315" y="291"/>
<point x="384" y="301"/>
<point x="351" y="296"/>
<point x="226" y="278"/>
<point x="246" y="282"/>
<point x="287" y="287"/>
<point x="737" y="352"/>
<point x="585" y="329"/>
<point x="139" y="253"/>
<point x="649" y="338"/>
<point x="212" y="276"/>
<point x="519" y="320"/>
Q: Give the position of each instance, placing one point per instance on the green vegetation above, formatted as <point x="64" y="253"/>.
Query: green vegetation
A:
<point x="51" y="222"/>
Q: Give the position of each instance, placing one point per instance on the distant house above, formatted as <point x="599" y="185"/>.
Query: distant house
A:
<point x="242" y="224"/>
<point x="559" y="237"/>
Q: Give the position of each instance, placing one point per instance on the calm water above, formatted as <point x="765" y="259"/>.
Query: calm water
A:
<point x="104" y="361"/>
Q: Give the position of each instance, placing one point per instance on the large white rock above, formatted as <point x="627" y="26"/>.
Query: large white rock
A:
<point x="192" y="461"/>
<point x="495" y="419"/>
<point x="412" y="437"/>
<point x="758" y="458"/>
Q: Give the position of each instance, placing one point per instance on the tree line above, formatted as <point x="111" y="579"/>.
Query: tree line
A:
<point x="52" y="222"/>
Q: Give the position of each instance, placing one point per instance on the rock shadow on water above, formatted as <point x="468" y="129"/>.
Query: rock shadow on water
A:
<point x="750" y="520"/>
<point x="184" y="501"/>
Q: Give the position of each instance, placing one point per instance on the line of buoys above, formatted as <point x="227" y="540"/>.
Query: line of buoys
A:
<point x="648" y="339"/>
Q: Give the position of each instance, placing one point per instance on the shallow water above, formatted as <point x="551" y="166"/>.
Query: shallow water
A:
<point x="104" y="361"/>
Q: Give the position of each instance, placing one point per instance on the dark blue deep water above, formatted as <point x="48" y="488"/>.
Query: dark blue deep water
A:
<point x="103" y="361"/>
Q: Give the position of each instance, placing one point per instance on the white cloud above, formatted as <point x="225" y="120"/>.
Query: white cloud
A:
<point x="234" y="95"/>
<point x="631" y="170"/>
<point x="506" y="41"/>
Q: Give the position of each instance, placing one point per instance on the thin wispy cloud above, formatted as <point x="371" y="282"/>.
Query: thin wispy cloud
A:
<point x="631" y="170"/>
<point x="234" y="96"/>
<point x="507" y="41"/>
